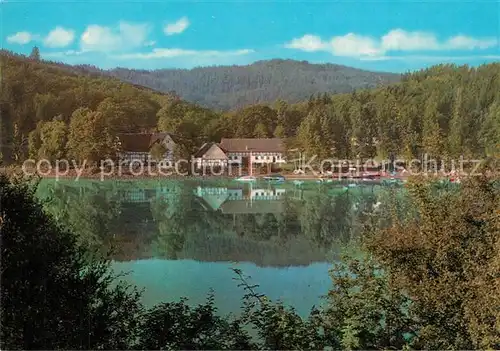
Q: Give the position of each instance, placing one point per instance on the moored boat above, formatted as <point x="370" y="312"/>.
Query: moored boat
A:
<point x="275" y="178"/>
<point x="246" y="179"/>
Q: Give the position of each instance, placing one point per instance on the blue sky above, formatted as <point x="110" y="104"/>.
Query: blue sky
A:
<point x="391" y="36"/>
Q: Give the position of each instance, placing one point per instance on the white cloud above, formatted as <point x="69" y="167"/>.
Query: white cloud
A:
<point x="177" y="27"/>
<point x="126" y="36"/>
<point x="462" y="42"/>
<point x="59" y="37"/>
<point x="401" y="40"/>
<point x="354" y="45"/>
<point x="174" y="52"/>
<point x="396" y="40"/>
<point x="307" y="43"/>
<point x="21" y="38"/>
<point x="431" y="58"/>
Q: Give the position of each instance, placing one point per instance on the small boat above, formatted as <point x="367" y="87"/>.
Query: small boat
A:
<point x="298" y="182"/>
<point x="277" y="178"/>
<point x="246" y="179"/>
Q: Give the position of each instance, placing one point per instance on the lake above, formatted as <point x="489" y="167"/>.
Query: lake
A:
<point x="182" y="238"/>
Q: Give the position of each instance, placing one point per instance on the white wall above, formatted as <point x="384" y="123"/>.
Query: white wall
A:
<point x="258" y="158"/>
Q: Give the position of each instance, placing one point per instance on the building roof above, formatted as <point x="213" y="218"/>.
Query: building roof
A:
<point x="135" y="142"/>
<point x="204" y="149"/>
<point x="213" y="201"/>
<point x="141" y="142"/>
<point x="252" y="144"/>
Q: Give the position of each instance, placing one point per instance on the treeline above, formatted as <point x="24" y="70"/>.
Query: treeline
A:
<point x="429" y="280"/>
<point x="443" y="111"/>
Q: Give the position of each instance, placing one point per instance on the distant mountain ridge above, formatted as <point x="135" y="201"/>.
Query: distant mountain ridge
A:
<point x="229" y="87"/>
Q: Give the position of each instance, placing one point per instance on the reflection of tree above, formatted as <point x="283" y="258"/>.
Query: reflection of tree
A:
<point x="317" y="220"/>
<point x="89" y="210"/>
<point x="172" y="215"/>
<point x="327" y="219"/>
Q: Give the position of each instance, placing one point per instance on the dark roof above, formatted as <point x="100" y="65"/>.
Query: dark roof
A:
<point x="141" y="142"/>
<point x="136" y="142"/>
<point x="254" y="145"/>
<point x="204" y="148"/>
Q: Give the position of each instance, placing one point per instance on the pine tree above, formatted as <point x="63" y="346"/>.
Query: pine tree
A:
<point x="35" y="54"/>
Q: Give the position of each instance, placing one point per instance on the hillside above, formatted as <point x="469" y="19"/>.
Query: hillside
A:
<point x="52" y="110"/>
<point x="228" y="87"/>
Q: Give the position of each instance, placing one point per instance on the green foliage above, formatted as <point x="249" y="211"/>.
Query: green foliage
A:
<point x="279" y="132"/>
<point x="53" y="138"/>
<point x="229" y="87"/>
<point x="365" y="309"/>
<point x="444" y="259"/>
<point x="89" y="139"/>
<point x="34" y="92"/>
<point x="177" y="326"/>
<point x="52" y="295"/>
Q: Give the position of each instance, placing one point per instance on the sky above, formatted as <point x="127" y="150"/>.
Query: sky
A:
<point x="394" y="36"/>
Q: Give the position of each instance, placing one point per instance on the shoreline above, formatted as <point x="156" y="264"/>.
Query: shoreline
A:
<point x="88" y="175"/>
<point x="288" y="177"/>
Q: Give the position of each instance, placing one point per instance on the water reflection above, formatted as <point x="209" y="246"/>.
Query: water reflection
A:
<point x="173" y="235"/>
<point x="264" y="224"/>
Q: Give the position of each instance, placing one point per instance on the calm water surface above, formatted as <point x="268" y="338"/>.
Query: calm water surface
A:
<point x="181" y="238"/>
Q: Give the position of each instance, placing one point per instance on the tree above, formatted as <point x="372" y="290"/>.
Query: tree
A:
<point x="279" y="131"/>
<point x="115" y="118"/>
<point x="260" y="131"/>
<point x="200" y="329"/>
<point x="35" y="53"/>
<point x="53" y="137"/>
<point x="89" y="139"/>
<point x="491" y="129"/>
<point x="52" y="296"/>
<point x="442" y="256"/>
<point x="34" y="141"/>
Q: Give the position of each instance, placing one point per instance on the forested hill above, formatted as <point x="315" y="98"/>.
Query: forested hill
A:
<point x="58" y="111"/>
<point x="228" y="87"/>
<point x="53" y="110"/>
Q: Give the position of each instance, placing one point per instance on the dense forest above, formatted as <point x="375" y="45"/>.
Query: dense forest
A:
<point x="229" y="87"/>
<point x="444" y="111"/>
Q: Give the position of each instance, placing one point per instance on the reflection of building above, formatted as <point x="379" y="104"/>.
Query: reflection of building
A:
<point x="238" y="201"/>
<point x="139" y="195"/>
